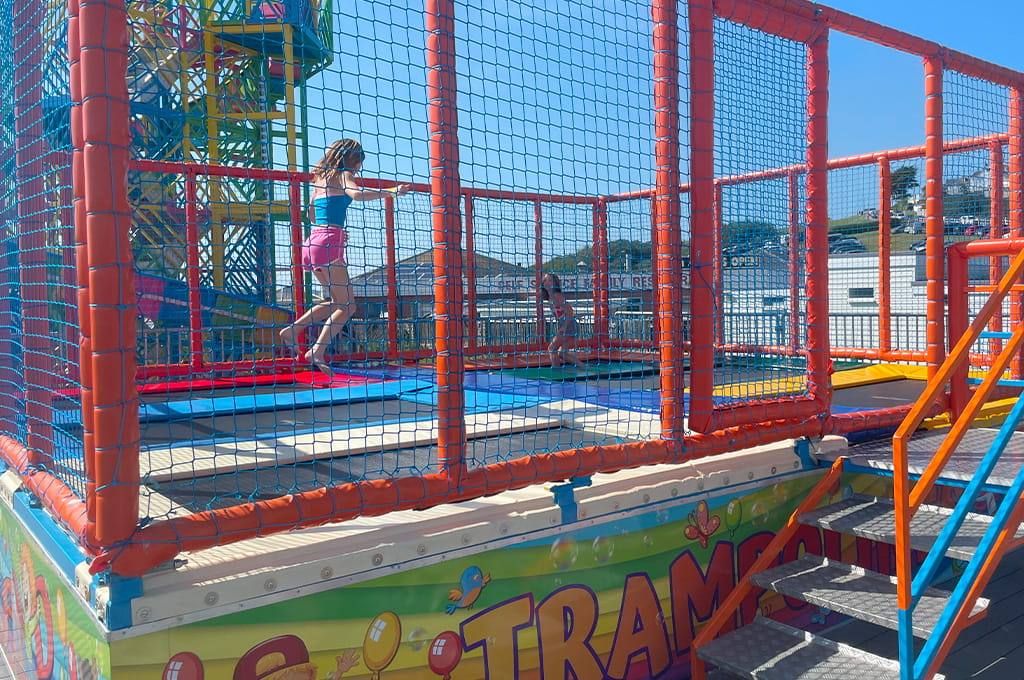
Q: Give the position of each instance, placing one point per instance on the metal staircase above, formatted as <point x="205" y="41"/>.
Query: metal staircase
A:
<point x="927" y="619"/>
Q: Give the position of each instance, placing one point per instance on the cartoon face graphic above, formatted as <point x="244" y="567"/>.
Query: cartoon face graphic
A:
<point x="281" y="658"/>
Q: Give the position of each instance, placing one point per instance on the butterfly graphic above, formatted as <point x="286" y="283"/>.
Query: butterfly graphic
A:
<point x="702" y="526"/>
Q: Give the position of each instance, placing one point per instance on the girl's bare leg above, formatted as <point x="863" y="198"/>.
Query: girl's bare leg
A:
<point x="317" y="313"/>
<point x="555" y="350"/>
<point x="335" y="279"/>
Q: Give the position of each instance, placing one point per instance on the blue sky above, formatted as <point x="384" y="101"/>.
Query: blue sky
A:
<point x="515" y="54"/>
<point x="555" y="96"/>
<point x="862" y="73"/>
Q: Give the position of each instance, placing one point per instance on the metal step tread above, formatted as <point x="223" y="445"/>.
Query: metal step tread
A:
<point x="854" y="591"/>
<point x="875" y="519"/>
<point x="962" y="466"/>
<point x="769" y="650"/>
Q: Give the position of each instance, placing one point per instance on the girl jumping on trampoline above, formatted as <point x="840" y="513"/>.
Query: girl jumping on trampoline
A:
<point x="566" y="326"/>
<point x="323" y="253"/>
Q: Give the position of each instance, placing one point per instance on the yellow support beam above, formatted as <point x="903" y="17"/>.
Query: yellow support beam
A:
<point x="289" y="97"/>
<point x="257" y="115"/>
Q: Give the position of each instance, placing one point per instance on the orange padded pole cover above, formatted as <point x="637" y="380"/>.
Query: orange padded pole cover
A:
<point x="106" y="142"/>
<point x="442" y="112"/>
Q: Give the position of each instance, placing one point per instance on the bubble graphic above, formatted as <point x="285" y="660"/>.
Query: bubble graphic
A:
<point x="418" y="638"/>
<point x="604" y="548"/>
<point x="759" y="514"/>
<point x="564" y="553"/>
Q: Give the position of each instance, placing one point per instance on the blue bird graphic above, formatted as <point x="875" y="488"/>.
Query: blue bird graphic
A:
<point x="471" y="584"/>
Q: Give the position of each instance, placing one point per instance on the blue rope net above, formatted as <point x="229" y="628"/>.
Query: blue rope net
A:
<point x="760" y="125"/>
<point x="39" y="328"/>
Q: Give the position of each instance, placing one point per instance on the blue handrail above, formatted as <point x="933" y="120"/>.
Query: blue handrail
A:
<point x="957" y="599"/>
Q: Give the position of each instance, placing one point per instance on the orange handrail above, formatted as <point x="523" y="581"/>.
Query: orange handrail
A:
<point x="908" y="498"/>
<point x="732" y="602"/>
<point x="957" y="357"/>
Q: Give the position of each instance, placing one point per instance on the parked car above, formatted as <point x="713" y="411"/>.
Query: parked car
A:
<point x="917" y="246"/>
<point x="913" y="225"/>
<point x="847" y="244"/>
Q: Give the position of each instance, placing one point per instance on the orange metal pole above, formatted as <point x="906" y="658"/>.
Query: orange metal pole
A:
<point x="105" y="101"/>
<point x="995" y="231"/>
<point x="538" y="266"/>
<point x="934" y="225"/>
<point x="195" y="305"/>
<point x="957" y="304"/>
<point x="702" y="215"/>
<point x="794" y="257"/>
<point x="884" y="254"/>
<point x="964" y="419"/>
<point x="818" y="361"/>
<point x="668" y="244"/>
<point x="391" y="277"/>
<point x="885" y="36"/>
<point x="30" y="150"/>
<point x="760" y="17"/>
<point x="600" y="263"/>
<point x="1015" y="162"/>
<point x="471" y="275"/>
<point x="298" y="283"/>
<point x="718" y="266"/>
<point x="445" y="194"/>
<point x="67" y="218"/>
<point x="958" y="355"/>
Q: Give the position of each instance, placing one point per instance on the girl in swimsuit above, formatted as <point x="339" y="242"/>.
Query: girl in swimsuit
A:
<point x="323" y="253"/>
<point x="566" y="326"/>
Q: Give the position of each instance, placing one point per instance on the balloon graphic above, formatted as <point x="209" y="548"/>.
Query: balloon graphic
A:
<point x="445" y="653"/>
<point x="183" y="666"/>
<point x="733" y="515"/>
<point x="381" y="642"/>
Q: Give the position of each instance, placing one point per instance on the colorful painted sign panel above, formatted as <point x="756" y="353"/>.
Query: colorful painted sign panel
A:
<point x="46" y="632"/>
<point x="622" y="600"/>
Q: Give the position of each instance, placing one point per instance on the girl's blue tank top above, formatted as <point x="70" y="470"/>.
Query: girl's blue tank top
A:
<point x="330" y="210"/>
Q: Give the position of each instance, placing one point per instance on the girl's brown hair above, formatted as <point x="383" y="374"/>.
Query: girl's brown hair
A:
<point x="342" y="155"/>
<point x="556" y="286"/>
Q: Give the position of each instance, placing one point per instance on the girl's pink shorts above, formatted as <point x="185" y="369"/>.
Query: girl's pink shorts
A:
<point x="324" y="247"/>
